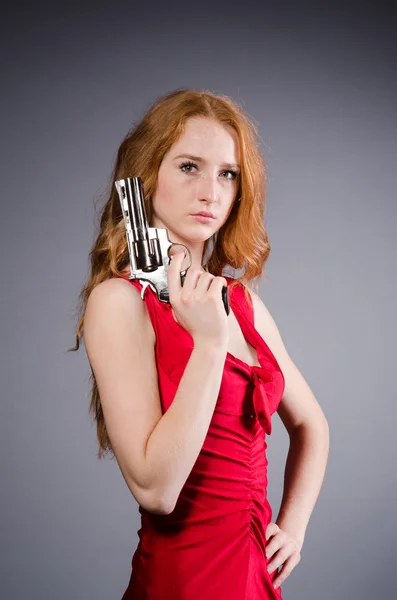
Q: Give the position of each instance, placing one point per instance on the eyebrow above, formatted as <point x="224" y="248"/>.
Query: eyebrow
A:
<point x="202" y="160"/>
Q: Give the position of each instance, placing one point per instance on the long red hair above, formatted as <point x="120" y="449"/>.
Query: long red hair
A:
<point x="242" y="241"/>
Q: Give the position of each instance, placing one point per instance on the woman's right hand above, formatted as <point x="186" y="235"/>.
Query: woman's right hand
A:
<point x="197" y="305"/>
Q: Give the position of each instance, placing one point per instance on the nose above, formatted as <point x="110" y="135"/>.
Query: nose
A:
<point x="209" y="188"/>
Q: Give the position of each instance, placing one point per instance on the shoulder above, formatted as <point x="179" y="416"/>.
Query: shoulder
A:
<point x="112" y="292"/>
<point x="298" y="404"/>
<point x="261" y="311"/>
<point x="113" y="303"/>
<point x="115" y="287"/>
<point x="267" y="328"/>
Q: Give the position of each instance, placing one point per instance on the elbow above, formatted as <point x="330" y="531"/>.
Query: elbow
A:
<point x="161" y="509"/>
<point x="164" y="505"/>
<point x="157" y="507"/>
<point x="154" y="497"/>
<point x="153" y="501"/>
<point x="317" y="427"/>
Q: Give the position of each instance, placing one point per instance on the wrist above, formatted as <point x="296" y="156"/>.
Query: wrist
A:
<point x="210" y="346"/>
<point x="294" y="532"/>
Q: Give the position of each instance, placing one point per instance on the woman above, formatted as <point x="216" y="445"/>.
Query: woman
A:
<point x="183" y="393"/>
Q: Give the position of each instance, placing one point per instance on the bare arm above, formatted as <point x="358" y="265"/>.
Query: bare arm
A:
<point x="308" y="430"/>
<point x="175" y="443"/>
<point x="155" y="452"/>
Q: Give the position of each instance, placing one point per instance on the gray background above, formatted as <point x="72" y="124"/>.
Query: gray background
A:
<point x="322" y="86"/>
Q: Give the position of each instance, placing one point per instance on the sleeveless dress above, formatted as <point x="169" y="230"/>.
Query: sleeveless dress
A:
<point x="212" y="545"/>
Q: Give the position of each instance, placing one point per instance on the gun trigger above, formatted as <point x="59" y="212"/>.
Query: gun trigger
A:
<point x="144" y="286"/>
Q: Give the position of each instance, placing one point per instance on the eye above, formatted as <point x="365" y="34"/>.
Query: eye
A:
<point x="187" y="164"/>
<point x="234" y="174"/>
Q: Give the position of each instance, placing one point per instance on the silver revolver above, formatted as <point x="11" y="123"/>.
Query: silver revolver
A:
<point x="148" y="247"/>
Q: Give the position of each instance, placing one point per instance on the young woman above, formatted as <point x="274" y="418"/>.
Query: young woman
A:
<point x="183" y="393"/>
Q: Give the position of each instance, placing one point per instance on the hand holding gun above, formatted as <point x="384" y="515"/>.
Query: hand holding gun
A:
<point x="149" y="247"/>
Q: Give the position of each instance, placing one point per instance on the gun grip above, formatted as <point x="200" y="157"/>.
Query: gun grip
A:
<point x="225" y="294"/>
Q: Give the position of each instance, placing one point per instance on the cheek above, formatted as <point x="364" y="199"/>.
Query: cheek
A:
<point x="229" y="210"/>
<point x="170" y="191"/>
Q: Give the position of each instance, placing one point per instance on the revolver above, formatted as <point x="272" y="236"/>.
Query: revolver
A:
<point x="148" y="247"/>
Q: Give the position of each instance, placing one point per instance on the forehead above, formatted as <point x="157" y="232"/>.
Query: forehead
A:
<point x="209" y="139"/>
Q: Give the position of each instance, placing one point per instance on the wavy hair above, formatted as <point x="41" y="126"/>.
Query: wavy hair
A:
<point x="241" y="242"/>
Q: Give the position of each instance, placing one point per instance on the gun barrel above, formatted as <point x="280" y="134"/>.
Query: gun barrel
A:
<point x="134" y="212"/>
<point x="143" y="248"/>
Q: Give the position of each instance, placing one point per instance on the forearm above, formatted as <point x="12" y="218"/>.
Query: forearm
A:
<point x="304" y="474"/>
<point x="177" y="439"/>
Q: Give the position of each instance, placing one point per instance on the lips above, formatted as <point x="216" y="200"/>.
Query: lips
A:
<point x="204" y="214"/>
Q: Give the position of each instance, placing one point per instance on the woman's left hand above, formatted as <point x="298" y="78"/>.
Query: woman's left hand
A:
<point x="288" y="549"/>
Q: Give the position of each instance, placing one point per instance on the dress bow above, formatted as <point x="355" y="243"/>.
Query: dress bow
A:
<point x="260" y="398"/>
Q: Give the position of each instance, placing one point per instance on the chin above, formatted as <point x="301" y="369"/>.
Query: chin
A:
<point x="198" y="239"/>
<point x="196" y="232"/>
<point x="191" y="236"/>
<point x="199" y="233"/>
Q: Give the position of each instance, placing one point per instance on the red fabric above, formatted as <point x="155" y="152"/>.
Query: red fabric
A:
<point x="212" y="545"/>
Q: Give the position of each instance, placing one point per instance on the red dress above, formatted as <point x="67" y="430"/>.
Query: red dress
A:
<point x="212" y="545"/>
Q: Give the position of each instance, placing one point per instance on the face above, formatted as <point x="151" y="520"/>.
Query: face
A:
<point x="208" y="182"/>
